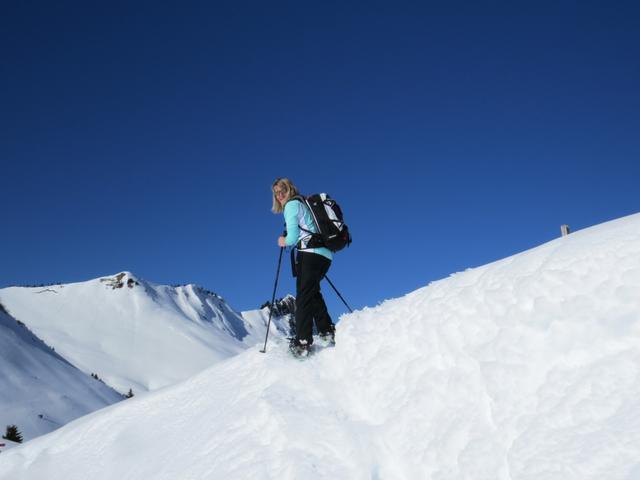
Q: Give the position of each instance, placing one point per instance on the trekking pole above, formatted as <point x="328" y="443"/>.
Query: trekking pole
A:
<point x="336" y="290"/>
<point x="273" y="300"/>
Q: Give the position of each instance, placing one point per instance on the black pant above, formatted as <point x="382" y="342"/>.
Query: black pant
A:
<point x="310" y="306"/>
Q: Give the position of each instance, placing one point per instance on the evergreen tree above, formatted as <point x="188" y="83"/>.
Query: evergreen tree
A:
<point x="13" y="434"/>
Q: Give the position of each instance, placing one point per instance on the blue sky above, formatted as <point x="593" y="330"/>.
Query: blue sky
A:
<point x="144" y="136"/>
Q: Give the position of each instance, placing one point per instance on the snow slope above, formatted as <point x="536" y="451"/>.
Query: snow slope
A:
<point x="132" y="333"/>
<point x="527" y="368"/>
<point x="39" y="390"/>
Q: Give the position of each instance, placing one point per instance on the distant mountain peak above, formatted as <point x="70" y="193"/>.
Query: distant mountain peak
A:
<point x="121" y="280"/>
<point x="132" y="331"/>
<point x="127" y="332"/>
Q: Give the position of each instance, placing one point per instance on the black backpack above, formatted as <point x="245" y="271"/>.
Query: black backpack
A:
<point x="327" y="215"/>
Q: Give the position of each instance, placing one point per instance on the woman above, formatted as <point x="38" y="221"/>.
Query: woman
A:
<point x="312" y="264"/>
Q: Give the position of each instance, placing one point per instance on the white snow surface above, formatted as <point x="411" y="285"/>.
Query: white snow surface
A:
<point x="527" y="368"/>
<point x="39" y="390"/>
<point x="140" y="337"/>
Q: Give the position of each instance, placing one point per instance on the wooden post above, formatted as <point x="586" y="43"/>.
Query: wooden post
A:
<point x="564" y="229"/>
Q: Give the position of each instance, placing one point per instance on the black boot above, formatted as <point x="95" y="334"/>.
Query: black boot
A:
<point x="299" y="348"/>
<point x="327" y="339"/>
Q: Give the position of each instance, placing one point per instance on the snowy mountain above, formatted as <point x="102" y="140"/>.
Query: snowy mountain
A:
<point x="39" y="390"/>
<point x="527" y="368"/>
<point x="121" y="330"/>
<point x="134" y="334"/>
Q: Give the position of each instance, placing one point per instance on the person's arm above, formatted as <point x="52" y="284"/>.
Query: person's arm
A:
<point x="291" y="219"/>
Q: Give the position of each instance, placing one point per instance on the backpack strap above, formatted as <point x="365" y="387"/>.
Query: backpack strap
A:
<point x="305" y="202"/>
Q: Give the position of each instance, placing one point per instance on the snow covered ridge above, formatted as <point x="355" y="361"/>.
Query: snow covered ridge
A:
<point x="120" y="330"/>
<point x="131" y="333"/>
<point x="527" y="368"/>
<point x="39" y="390"/>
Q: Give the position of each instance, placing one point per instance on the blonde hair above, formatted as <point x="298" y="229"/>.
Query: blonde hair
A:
<point x="290" y="190"/>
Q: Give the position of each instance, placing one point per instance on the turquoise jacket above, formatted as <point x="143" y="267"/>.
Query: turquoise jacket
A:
<point x="297" y="217"/>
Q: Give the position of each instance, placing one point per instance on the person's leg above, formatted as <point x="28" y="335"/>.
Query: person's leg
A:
<point x="309" y="302"/>
<point x="324" y="324"/>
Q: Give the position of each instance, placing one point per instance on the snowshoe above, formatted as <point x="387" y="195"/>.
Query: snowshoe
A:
<point x="299" y="348"/>
<point x="327" y="339"/>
